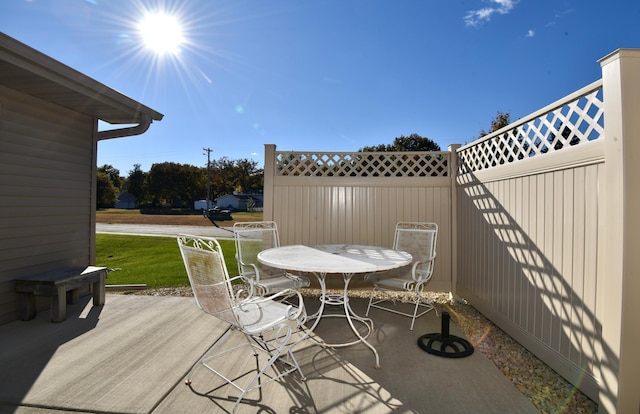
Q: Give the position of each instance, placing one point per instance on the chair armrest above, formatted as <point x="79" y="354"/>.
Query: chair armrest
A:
<point x="414" y="274"/>
<point x="298" y="314"/>
<point x="234" y="278"/>
<point x="243" y="294"/>
<point x="254" y="280"/>
<point x="256" y="271"/>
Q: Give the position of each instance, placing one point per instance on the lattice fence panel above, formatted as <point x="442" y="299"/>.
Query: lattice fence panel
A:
<point x="571" y="123"/>
<point x="363" y="164"/>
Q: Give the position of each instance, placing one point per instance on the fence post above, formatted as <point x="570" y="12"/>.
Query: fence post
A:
<point x="268" y="186"/>
<point x="453" y="178"/>
<point x="618" y="292"/>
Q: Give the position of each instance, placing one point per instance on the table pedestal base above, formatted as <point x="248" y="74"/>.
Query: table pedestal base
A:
<point x="349" y="315"/>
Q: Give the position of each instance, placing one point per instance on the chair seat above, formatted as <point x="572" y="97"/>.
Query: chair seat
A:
<point x="256" y="315"/>
<point x="400" y="279"/>
<point x="394" y="283"/>
<point x="284" y="282"/>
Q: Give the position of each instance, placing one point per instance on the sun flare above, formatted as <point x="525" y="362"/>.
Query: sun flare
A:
<point x="161" y="33"/>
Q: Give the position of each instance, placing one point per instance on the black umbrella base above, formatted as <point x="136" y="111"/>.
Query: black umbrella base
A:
<point x="445" y="345"/>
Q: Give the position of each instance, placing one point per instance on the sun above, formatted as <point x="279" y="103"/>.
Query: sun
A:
<point x="161" y="33"/>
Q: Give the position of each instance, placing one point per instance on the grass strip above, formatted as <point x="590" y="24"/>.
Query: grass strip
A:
<point x="155" y="261"/>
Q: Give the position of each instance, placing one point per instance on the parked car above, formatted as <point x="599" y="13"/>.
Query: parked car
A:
<point x="217" y="214"/>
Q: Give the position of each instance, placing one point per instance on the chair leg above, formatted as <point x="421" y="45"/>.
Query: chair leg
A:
<point x="422" y="301"/>
<point x="274" y="356"/>
<point x="416" y="299"/>
<point x="213" y="347"/>
<point x="373" y="291"/>
<point x="415" y="312"/>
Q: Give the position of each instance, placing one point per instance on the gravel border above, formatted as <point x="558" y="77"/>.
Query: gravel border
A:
<point x="546" y="389"/>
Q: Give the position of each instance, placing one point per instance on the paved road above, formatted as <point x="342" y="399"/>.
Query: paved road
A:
<point x="161" y="230"/>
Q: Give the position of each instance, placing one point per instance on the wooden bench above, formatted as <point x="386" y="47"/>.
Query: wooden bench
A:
<point x="62" y="286"/>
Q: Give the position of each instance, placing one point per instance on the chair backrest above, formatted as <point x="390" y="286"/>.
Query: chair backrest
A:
<point x="208" y="276"/>
<point x="418" y="239"/>
<point x="251" y="238"/>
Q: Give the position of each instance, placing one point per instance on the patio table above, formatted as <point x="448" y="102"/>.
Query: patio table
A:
<point x="342" y="259"/>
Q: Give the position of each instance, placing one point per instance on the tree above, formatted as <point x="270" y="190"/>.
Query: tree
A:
<point x="229" y="175"/>
<point x="113" y="174"/>
<point x="176" y="185"/>
<point x="250" y="178"/>
<point x="501" y="120"/>
<point x="223" y="180"/>
<point x="413" y="142"/>
<point x="179" y="185"/>
<point x="135" y="183"/>
<point x="106" y="192"/>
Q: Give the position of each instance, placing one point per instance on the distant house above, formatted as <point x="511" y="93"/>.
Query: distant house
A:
<point x="125" y="200"/>
<point x="202" y="204"/>
<point x="240" y="202"/>
<point x="48" y="144"/>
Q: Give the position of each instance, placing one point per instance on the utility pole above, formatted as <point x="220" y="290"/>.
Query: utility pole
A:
<point x="208" y="154"/>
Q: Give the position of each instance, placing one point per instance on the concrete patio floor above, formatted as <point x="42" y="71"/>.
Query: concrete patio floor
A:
<point x="132" y="355"/>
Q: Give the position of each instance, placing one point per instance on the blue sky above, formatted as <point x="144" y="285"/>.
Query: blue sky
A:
<point x="332" y="75"/>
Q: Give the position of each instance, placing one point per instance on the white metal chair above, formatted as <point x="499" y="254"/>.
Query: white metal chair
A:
<point x="251" y="238"/>
<point x="418" y="239"/>
<point x="266" y="323"/>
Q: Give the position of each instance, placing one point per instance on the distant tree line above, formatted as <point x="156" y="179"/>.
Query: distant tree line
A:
<point x="413" y="142"/>
<point x="174" y="185"/>
<point x="501" y="120"/>
<point x="170" y="184"/>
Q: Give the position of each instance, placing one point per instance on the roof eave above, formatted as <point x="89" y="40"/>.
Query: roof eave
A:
<point x="39" y="75"/>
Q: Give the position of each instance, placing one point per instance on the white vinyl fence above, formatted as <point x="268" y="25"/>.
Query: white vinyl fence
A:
<point x="529" y="231"/>
<point x="357" y="198"/>
<point x="538" y="224"/>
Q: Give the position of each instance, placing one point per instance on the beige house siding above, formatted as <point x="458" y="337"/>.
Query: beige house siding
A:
<point x="49" y="116"/>
<point x="47" y="163"/>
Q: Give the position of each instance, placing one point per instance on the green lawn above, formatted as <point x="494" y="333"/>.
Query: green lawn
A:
<point x="155" y="261"/>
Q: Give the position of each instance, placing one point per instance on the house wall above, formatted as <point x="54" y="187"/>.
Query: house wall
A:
<point x="228" y="201"/>
<point x="47" y="171"/>
<point x="239" y="202"/>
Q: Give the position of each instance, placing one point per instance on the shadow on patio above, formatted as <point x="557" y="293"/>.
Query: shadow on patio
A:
<point x="131" y="356"/>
